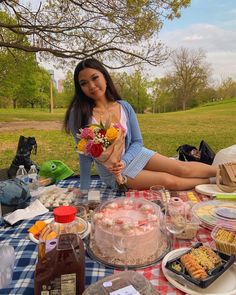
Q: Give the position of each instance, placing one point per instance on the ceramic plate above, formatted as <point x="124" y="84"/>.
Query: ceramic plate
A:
<point x="83" y="235"/>
<point x="210" y="190"/>
<point x="206" y="212"/>
<point x="228" y="213"/>
<point x="224" y="285"/>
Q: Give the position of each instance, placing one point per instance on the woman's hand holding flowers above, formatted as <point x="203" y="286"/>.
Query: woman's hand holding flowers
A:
<point x="117" y="168"/>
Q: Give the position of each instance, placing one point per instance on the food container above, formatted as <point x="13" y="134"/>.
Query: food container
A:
<point x="114" y="283"/>
<point x="190" y="230"/>
<point x="179" y="273"/>
<point x="61" y="259"/>
<point x="192" y="224"/>
<point x="137" y="223"/>
<point x="189" y="233"/>
<point x="224" y="237"/>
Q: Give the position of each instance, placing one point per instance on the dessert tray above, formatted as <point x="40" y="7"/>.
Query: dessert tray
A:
<point x="83" y="235"/>
<point x="212" y="212"/>
<point x="224" y="284"/>
<point x="54" y="196"/>
<point x="211" y="190"/>
<point x="163" y="249"/>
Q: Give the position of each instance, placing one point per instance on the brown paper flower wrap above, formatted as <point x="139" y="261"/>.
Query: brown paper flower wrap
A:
<point x="105" y="143"/>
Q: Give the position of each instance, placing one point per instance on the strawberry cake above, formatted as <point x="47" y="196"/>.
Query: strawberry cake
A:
<point x="126" y="230"/>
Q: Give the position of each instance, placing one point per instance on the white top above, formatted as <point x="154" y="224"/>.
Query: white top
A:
<point x="123" y="119"/>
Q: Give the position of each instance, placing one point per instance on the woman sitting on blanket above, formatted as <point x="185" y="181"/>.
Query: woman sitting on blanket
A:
<point x="96" y="99"/>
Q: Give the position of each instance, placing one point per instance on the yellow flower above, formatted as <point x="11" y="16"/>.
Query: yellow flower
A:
<point x="81" y="145"/>
<point x="92" y="127"/>
<point x="111" y="133"/>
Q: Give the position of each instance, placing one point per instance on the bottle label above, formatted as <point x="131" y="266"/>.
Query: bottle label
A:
<point x="33" y="177"/>
<point x="68" y="284"/>
<point x="23" y="178"/>
<point x="128" y="290"/>
<point x="51" y="244"/>
<point x="64" y="285"/>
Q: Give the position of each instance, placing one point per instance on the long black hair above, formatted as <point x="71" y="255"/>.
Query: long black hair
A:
<point x="81" y="103"/>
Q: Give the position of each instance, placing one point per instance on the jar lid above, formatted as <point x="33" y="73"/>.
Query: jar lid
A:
<point x="64" y="214"/>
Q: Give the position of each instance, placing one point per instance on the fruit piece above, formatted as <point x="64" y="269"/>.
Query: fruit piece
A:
<point x="37" y="227"/>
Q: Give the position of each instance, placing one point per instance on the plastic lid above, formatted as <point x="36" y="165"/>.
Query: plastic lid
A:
<point x="21" y="166"/>
<point x="32" y="166"/>
<point x="64" y="214"/>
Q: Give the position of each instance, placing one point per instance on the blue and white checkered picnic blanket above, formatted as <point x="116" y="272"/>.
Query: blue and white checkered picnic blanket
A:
<point x="26" y="250"/>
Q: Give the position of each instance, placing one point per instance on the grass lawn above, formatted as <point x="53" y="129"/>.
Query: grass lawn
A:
<point x="215" y="123"/>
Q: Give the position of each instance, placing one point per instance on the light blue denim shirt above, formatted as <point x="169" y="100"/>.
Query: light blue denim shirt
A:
<point x="133" y="145"/>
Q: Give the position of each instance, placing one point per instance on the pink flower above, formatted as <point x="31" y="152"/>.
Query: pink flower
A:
<point x="88" y="147"/>
<point x="87" y="133"/>
<point x="119" y="126"/>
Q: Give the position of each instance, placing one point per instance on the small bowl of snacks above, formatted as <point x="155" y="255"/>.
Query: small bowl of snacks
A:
<point x="224" y="236"/>
<point x="190" y="230"/>
<point x="199" y="266"/>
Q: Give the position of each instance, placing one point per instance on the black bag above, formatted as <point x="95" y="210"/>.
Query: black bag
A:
<point x="190" y="153"/>
<point x="26" y="146"/>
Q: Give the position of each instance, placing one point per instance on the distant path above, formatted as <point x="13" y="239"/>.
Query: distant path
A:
<point x="37" y="125"/>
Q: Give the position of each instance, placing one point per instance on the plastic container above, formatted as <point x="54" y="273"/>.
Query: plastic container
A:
<point x="190" y="231"/>
<point x="134" y="221"/>
<point x="224" y="237"/>
<point x="192" y="224"/>
<point x="128" y="279"/>
<point x="33" y="178"/>
<point x="22" y="174"/>
<point x="61" y="260"/>
<point x="182" y="276"/>
<point x="7" y="258"/>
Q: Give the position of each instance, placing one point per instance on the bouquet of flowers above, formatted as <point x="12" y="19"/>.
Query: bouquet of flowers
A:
<point x="104" y="142"/>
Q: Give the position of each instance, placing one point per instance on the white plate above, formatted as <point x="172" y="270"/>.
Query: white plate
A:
<point x="210" y="190"/>
<point x="83" y="235"/>
<point x="224" y="285"/>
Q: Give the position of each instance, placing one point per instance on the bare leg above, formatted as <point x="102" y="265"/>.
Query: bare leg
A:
<point x="161" y="163"/>
<point x="147" y="178"/>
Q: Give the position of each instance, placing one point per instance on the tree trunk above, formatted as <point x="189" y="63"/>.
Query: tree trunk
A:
<point x="14" y="103"/>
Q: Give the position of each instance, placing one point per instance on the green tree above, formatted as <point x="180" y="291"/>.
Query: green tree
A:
<point x="134" y="89"/>
<point x="163" y="96"/>
<point x="64" y="98"/>
<point x="227" y="88"/>
<point x="39" y="83"/>
<point x="189" y="74"/>
<point x="78" y="29"/>
<point x="17" y="69"/>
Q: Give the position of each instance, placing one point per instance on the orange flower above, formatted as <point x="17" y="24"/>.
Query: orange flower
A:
<point x="112" y="133"/>
<point x="81" y="145"/>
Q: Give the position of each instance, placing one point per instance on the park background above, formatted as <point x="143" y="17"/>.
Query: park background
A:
<point x="185" y="104"/>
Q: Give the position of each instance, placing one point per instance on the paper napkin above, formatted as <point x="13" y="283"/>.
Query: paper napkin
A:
<point x="34" y="209"/>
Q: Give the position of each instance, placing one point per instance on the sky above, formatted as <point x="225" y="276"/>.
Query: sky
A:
<point x="207" y="24"/>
